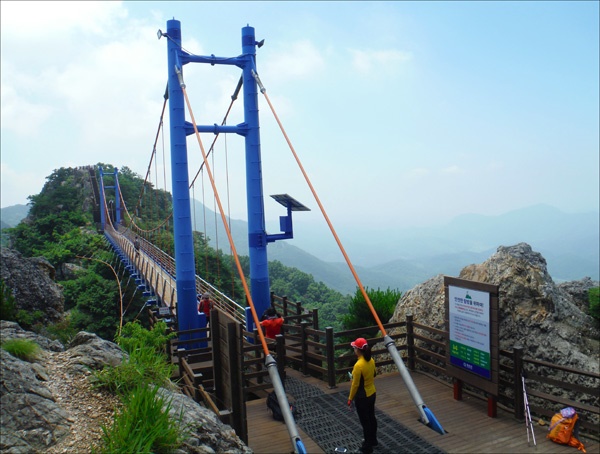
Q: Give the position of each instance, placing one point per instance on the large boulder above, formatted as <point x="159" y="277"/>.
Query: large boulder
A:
<point x="90" y="352"/>
<point x="546" y="319"/>
<point x="205" y="431"/>
<point x="31" y="281"/>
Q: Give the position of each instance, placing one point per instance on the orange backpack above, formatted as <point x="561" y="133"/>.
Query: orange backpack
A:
<point x="561" y="428"/>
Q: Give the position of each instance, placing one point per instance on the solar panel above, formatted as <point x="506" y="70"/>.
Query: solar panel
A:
<point x="289" y="201"/>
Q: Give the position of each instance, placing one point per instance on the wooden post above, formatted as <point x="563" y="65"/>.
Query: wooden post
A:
<point x="315" y="325"/>
<point x="330" y="349"/>
<point x="410" y="342"/>
<point x="457" y="389"/>
<point x="257" y="354"/>
<point x="285" y="306"/>
<point x="303" y="338"/>
<point x="518" y="383"/>
<point x="280" y="353"/>
<point x="217" y="342"/>
<point x="180" y="354"/>
<point x="234" y="344"/>
<point x="492" y="406"/>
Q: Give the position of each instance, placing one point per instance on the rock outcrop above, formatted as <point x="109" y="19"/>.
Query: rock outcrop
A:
<point x="38" y="414"/>
<point x="32" y="282"/>
<point x="548" y="320"/>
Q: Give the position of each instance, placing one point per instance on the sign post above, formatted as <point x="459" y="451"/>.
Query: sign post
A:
<point x="472" y="353"/>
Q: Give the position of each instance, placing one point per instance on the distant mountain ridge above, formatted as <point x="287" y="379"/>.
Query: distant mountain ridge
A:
<point x="403" y="258"/>
<point x="569" y="242"/>
<point x="12" y="215"/>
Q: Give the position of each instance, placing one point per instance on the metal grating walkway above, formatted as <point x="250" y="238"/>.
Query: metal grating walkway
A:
<point x="327" y="420"/>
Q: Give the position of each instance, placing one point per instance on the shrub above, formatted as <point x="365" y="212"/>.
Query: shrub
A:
<point x="594" y="298"/>
<point x="30" y="320"/>
<point x="64" y="331"/>
<point x="143" y="366"/>
<point x="359" y="314"/>
<point x="143" y="425"/>
<point x="133" y="335"/>
<point x="8" y="309"/>
<point x="147" y="362"/>
<point x="24" y="349"/>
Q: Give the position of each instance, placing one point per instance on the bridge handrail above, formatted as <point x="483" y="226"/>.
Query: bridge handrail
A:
<point x="167" y="263"/>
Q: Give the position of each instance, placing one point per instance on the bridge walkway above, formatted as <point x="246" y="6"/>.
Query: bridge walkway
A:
<point x="469" y="429"/>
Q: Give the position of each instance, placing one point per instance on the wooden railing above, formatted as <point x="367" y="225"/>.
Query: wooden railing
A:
<point x="326" y="354"/>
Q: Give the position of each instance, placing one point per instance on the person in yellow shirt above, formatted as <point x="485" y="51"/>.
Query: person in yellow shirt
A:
<point x="362" y="392"/>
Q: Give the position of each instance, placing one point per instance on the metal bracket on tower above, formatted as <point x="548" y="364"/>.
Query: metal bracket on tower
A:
<point x="285" y="222"/>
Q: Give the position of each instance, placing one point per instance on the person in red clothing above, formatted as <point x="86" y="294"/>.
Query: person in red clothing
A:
<point x="205" y="305"/>
<point x="272" y="323"/>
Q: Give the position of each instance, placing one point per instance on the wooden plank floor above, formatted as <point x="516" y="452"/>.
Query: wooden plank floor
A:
<point x="469" y="429"/>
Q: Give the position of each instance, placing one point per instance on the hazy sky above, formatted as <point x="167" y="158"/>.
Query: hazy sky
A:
<point x="403" y="113"/>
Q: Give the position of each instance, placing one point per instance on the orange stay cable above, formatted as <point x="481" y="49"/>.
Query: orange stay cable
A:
<point x="362" y="289"/>
<point x="221" y="211"/>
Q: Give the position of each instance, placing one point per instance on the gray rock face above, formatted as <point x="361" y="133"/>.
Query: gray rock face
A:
<point x="88" y="351"/>
<point x="206" y="433"/>
<point x="31" y="420"/>
<point x="12" y="330"/>
<point x="32" y="283"/>
<point x="545" y="318"/>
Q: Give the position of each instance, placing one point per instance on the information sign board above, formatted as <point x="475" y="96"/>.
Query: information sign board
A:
<point x="469" y="333"/>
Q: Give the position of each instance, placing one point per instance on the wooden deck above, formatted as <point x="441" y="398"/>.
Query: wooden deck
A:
<point x="469" y="429"/>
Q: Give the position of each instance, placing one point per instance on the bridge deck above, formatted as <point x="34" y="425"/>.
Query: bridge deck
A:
<point x="469" y="429"/>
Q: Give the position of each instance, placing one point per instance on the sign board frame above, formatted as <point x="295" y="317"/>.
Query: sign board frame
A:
<point x="472" y="326"/>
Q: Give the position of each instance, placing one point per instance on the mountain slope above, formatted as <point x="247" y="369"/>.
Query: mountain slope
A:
<point x="12" y="215"/>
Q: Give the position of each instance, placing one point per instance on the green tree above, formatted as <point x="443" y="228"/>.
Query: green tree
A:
<point x="360" y="316"/>
<point x="594" y="298"/>
<point x="300" y="286"/>
<point x="8" y="308"/>
<point x="96" y="303"/>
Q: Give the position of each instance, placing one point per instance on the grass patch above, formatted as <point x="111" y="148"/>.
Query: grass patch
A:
<point x="143" y="425"/>
<point x="144" y="366"/>
<point x="24" y="349"/>
<point x="147" y="362"/>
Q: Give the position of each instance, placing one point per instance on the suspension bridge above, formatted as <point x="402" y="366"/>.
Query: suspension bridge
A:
<point x="226" y="362"/>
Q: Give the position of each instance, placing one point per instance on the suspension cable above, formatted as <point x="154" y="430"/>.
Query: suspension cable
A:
<point x="337" y="239"/>
<point x="218" y="200"/>
<point x="158" y="131"/>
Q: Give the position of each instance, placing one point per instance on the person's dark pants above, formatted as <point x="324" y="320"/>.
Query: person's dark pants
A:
<point x="365" y="407"/>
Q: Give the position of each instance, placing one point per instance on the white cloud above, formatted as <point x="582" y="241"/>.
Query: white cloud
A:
<point x="369" y="62"/>
<point x="301" y="60"/>
<point x="41" y="20"/>
<point x="20" y="114"/>
<point x="16" y="186"/>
